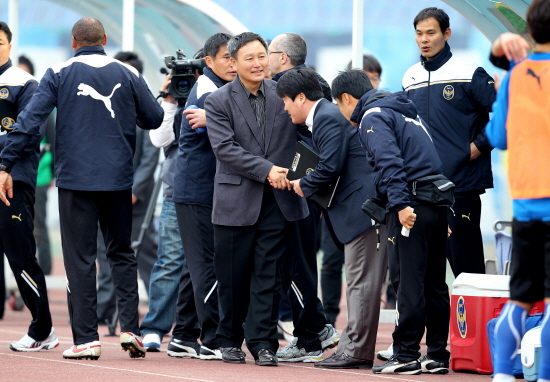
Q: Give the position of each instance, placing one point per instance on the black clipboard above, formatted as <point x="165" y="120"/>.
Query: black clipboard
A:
<point x="305" y="161"/>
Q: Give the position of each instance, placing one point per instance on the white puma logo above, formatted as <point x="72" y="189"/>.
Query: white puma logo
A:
<point x="371" y="130"/>
<point x="466" y="216"/>
<point x="17" y="217"/>
<point x="391" y="240"/>
<point x="87" y="90"/>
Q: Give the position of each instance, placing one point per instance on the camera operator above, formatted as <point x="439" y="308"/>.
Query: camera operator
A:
<point x="193" y="194"/>
<point x="170" y="271"/>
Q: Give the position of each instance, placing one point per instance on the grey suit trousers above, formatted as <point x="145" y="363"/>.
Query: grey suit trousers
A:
<point x="365" y="269"/>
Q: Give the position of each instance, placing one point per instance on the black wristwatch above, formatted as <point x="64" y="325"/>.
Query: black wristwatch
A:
<point x="5" y="168"/>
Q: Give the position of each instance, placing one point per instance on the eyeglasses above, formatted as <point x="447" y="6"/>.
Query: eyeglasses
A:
<point x="270" y="52"/>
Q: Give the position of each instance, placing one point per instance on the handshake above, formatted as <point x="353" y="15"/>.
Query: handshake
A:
<point x="277" y="179"/>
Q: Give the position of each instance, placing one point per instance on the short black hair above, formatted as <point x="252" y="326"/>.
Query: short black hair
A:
<point x="214" y="42"/>
<point x="300" y="80"/>
<point x="240" y="40"/>
<point x="130" y="58"/>
<point x="199" y="54"/>
<point x="538" y="21"/>
<point x="28" y="63"/>
<point x="439" y="14"/>
<point x="4" y="27"/>
<point x="355" y="82"/>
<point x="88" y="32"/>
<point x="294" y="46"/>
<point x="370" y="64"/>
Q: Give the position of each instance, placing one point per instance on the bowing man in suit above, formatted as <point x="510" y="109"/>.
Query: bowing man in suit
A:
<point x="341" y="155"/>
<point x="254" y="142"/>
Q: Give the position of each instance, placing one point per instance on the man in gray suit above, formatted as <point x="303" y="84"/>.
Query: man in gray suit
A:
<point x="254" y="141"/>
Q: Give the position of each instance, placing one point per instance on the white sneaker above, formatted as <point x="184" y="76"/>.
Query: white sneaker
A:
<point x="132" y="343"/>
<point x="151" y="342"/>
<point x="329" y="337"/>
<point x="384" y="355"/>
<point x="504" y="378"/>
<point x="89" y="350"/>
<point x="27" y="343"/>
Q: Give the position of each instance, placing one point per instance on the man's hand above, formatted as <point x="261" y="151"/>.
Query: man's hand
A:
<point x="196" y="117"/>
<point x="511" y="45"/>
<point x="449" y="232"/>
<point x="6" y="187"/>
<point x="297" y="189"/>
<point x="134" y="199"/>
<point x="277" y="178"/>
<point x="474" y="151"/>
<point x="407" y="217"/>
<point x="164" y="88"/>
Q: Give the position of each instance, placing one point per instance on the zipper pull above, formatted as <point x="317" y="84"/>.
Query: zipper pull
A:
<point x="414" y="188"/>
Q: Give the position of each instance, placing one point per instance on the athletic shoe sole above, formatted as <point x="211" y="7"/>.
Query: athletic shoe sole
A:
<point x="152" y="348"/>
<point x="42" y="347"/>
<point x="179" y="354"/>
<point x="305" y="359"/>
<point x="127" y="344"/>
<point x="88" y="357"/>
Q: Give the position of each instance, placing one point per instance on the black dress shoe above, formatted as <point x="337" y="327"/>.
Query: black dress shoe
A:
<point x="344" y="361"/>
<point x="233" y="355"/>
<point x="267" y="357"/>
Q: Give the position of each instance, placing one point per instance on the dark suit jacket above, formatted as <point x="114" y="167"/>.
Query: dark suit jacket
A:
<point x="337" y="143"/>
<point x="243" y="159"/>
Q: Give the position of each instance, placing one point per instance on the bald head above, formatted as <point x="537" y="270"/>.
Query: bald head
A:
<point x="88" y="32"/>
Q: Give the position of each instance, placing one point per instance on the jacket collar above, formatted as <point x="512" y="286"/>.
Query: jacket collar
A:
<point x="5" y="67"/>
<point x="213" y="77"/>
<point x="438" y="61"/>
<point x="86" y="50"/>
<point x="279" y="75"/>
<point x="243" y="103"/>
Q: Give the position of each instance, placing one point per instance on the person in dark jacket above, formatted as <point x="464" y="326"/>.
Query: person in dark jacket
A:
<point x="399" y="146"/>
<point x="99" y="101"/>
<point x="193" y="194"/>
<point x="454" y="98"/>
<point x="16" y="217"/>
<point x="298" y="266"/>
<point x="342" y="160"/>
<point x="145" y="162"/>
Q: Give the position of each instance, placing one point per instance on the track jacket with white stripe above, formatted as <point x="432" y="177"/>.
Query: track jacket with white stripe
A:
<point x="99" y="101"/>
<point x="16" y="90"/>
<point x="455" y="98"/>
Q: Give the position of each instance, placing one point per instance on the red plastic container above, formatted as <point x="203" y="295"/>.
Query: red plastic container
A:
<point x="476" y="299"/>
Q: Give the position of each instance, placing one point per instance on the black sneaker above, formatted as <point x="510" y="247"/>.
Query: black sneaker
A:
<point x="207" y="353"/>
<point x="393" y="366"/>
<point x="179" y="348"/>
<point x="433" y="367"/>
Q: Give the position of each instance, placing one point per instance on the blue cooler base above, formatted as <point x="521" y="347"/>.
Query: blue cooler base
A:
<point x="532" y="373"/>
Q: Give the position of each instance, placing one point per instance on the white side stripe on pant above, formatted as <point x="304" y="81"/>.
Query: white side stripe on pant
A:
<point x="211" y="290"/>
<point x="298" y="294"/>
<point x="30" y="281"/>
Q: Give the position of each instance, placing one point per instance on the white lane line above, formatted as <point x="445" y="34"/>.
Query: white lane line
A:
<point x="108" y="368"/>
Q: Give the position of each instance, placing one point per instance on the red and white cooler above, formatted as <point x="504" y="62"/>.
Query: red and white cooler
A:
<point x="475" y="300"/>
